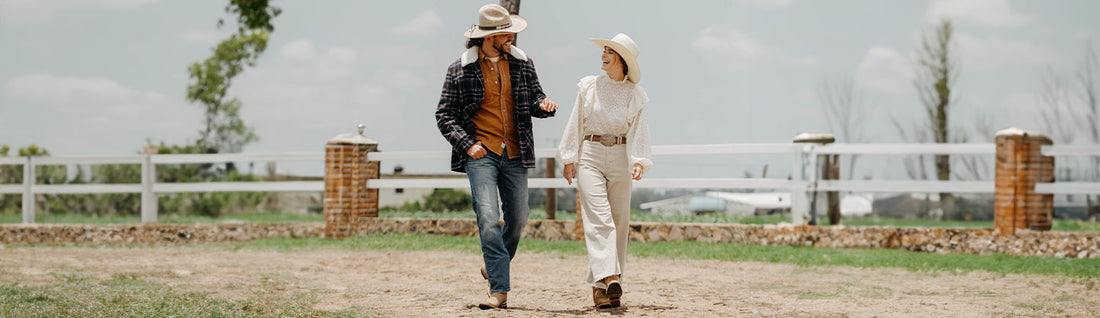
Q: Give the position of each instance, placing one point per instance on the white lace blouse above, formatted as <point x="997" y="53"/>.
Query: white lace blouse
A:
<point x="605" y="106"/>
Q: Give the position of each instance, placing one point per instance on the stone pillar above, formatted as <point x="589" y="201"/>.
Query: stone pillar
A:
<point x="347" y="201"/>
<point x="1021" y="164"/>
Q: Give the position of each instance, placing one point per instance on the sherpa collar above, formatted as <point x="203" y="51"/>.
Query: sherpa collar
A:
<point x="471" y="55"/>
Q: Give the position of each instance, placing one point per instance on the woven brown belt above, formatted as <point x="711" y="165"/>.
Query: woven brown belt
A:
<point x="606" y="140"/>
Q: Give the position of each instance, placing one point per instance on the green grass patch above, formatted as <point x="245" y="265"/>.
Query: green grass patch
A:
<point x="802" y="256"/>
<point x="73" y="295"/>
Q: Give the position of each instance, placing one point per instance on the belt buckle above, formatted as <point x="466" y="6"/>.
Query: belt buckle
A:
<point x="607" y="140"/>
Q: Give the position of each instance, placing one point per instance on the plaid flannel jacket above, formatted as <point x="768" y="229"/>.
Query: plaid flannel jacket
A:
<point x="463" y="92"/>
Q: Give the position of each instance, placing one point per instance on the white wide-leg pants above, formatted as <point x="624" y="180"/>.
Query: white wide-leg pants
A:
<point x="603" y="179"/>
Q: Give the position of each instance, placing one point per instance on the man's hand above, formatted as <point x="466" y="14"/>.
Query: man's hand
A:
<point x="569" y="173"/>
<point x="476" y="151"/>
<point x="638" y="171"/>
<point x="548" y="105"/>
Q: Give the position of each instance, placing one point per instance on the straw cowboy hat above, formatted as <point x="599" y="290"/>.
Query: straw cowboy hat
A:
<point x="626" y="48"/>
<point x="493" y="19"/>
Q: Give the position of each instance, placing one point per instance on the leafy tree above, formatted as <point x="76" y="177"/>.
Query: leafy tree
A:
<point x="223" y="129"/>
<point x="51" y="174"/>
<point x="9" y="174"/>
<point x="205" y="204"/>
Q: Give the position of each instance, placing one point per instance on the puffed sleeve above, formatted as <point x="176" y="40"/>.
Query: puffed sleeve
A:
<point x="638" y="135"/>
<point x="570" y="145"/>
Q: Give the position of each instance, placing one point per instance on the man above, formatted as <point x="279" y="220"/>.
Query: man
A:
<point x="489" y="96"/>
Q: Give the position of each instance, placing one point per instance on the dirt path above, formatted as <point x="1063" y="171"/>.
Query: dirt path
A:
<point x="447" y="284"/>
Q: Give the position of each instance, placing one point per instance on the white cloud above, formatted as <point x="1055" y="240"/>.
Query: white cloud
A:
<point x="884" y="70"/>
<point x="59" y="112"/>
<point x="300" y="50"/>
<point x="203" y="38"/>
<point x="731" y="45"/>
<point x="64" y="90"/>
<point x="426" y="24"/>
<point x="770" y="3"/>
<point x="332" y="88"/>
<point x="739" y="51"/>
<point x="1082" y="34"/>
<point x="995" y="52"/>
<point x="804" y="61"/>
<point x="35" y="12"/>
<point x="982" y="13"/>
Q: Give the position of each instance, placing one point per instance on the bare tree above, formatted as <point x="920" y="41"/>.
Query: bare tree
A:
<point x="1069" y="107"/>
<point x="1086" y="75"/>
<point x="936" y="71"/>
<point x="1057" y="109"/>
<point x="914" y="165"/>
<point x="845" y="112"/>
<point x="974" y="168"/>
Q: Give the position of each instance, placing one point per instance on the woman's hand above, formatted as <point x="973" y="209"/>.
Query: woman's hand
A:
<point x="638" y="171"/>
<point x="569" y="173"/>
<point x="548" y="105"/>
<point x="476" y="151"/>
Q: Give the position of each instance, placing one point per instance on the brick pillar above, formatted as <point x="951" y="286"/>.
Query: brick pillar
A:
<point x="1020" y="164"/>
<point x="347" y="200"/>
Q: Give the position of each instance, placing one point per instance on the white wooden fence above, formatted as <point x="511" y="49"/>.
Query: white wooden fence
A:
<point x="803" y="182"/>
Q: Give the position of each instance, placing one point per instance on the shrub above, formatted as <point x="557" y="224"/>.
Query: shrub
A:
<point x="448" y="200"/>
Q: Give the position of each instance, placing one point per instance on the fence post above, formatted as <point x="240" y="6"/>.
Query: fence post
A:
<point x="28" y="191"/>
<point x="347" y="200"/>
<point x="799" y="205"/>
<point x="809" y="207"/>
<point x="149" y="203"/>
<point x="1019" y="165"/>
<point x="551" y="193"/>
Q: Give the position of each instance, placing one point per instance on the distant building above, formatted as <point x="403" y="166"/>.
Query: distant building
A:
<point x="748" y="204"/>
<point x="728" y="203"/>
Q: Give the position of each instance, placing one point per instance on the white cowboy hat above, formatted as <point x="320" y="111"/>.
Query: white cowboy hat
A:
<point x="493" y="19"/>
<point x="626" y="48"/>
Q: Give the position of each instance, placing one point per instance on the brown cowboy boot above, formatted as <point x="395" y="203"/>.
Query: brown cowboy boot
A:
<point x="495" y="300"/>
<point x="599" y="297"/>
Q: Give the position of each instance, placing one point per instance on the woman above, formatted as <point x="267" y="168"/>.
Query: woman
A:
<point x="605" y="145"/>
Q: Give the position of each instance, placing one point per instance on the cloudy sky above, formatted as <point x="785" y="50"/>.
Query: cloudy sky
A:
<point x="83" y="77"/>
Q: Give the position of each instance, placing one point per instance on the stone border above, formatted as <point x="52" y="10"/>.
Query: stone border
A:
<point x="933" y="240"/>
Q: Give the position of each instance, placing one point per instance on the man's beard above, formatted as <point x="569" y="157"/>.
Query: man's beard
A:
<point x="503" y="47"/>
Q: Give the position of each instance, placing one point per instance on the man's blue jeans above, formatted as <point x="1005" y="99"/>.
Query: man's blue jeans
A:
<point x="492" y="176"/>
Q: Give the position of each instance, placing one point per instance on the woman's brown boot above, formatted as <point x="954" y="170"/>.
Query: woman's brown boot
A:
<point x="614" y="290"/>
<point x="599" y="297"/>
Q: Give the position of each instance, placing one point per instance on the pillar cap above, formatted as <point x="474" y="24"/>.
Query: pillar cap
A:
<point x="1013" y="131"/>
<point x="352" y="138"/>
<point x="819" y="138"/>
<point x="1030" y="135"/>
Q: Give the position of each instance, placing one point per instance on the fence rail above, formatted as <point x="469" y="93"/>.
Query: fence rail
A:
<point x="803" y="180"/>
